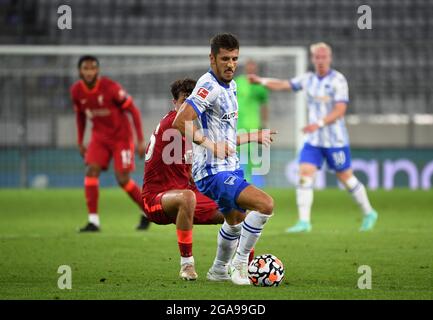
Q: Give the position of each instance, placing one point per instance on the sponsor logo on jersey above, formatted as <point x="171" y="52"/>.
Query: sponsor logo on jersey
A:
<point x="230" y="115"/>
<point x="202" y="93"/>
<point x="324" y="99"/>
<point x="97" y="113"/>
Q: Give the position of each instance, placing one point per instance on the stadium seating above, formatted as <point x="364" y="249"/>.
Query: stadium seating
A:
<point x="391" y="60"/>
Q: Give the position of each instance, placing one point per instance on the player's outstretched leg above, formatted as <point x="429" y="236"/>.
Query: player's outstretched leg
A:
<point x="91" y="190"/>
<point x="359" y="194"/>
<point x="134" y="192"/>
<point x="261" y="206"/>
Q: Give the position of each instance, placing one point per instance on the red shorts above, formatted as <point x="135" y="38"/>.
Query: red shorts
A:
<point x="101" y="152"/>
<point x="205" y="209"/>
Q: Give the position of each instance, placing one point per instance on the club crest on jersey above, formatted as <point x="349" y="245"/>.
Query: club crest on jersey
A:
<point x="202" y="93"/>
<point x="230" y="115"/>
<point x="101" y="100"/>
<point x="324" y="99"/>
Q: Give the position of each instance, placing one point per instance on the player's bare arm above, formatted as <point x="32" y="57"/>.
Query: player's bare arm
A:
<point x="80" y="119"/>
<point x="271" y="83"/>
<point x="264" y="137"/>
<point x="184" y="123"/>
<point x="129" y="106"/>
<point x="81" y="126"/>
<point x="337" y="113"/>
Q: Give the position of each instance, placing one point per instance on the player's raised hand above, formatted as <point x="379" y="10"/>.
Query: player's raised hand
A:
<point x="263" y="136"/>
<point x="310" y="128"/>
<point x="222" y="150"/>
<point x="253" y="78"/>
<point x="141" y="149"/>
<point x="82" y="150"/>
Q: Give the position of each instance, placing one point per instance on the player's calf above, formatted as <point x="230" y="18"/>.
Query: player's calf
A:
<point x="254" y="199"/>
<point x="181" y="205"/>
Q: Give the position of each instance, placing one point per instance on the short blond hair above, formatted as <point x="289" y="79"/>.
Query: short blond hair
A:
<point x="319" y="45"/>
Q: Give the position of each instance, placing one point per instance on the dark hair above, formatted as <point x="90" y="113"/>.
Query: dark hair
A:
<point x="225" y="41"/>
<point x="185" y="86"/>
<point x="87" y="58"/>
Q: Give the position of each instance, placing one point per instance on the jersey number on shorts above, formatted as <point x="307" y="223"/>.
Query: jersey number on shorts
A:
<point x="339" y="158"/>
<point x="126" y="157"/>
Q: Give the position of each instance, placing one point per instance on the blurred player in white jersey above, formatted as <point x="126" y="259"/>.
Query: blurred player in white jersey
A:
<point x="213" y="108"/>
<point x="326" y="134"/>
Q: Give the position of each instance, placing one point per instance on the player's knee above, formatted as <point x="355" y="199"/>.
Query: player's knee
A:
<point x="188" y="200"/>
<point x="307" y="170"/>
<point x="92" y="171"/>
<point x="122" y="182"/>
<point x="122" y="179"/>
<point x="350" y="183"/>
<point x="344" y="176"/>
<point x="266" y="205"/>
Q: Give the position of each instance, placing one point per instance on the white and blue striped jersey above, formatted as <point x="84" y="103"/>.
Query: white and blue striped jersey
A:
<point x="216" y="106"/>
<point x="322" y="95"/>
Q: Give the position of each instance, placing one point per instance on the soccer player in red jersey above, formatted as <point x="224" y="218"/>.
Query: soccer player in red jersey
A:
<point x="106" y="104"/>
<point x="169" y="194"/>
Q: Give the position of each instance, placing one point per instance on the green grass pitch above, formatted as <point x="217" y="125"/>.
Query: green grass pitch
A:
<point x="38" y="234"/>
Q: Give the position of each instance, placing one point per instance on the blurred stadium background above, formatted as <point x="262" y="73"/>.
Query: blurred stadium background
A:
<point x="389" y="69"/>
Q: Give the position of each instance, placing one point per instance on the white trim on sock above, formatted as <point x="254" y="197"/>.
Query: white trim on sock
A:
<point x="359" y="194"/>
<point x="189" y="260"/>
<point x="94" y="218"/>
<point x="227" y="241"/>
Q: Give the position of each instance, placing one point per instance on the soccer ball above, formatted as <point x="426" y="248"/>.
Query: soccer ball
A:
<point x="266" y="271"/>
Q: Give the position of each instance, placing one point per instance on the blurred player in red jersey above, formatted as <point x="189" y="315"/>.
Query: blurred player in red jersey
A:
<point x="169" y="193"/>
<point x="106" y="104"/>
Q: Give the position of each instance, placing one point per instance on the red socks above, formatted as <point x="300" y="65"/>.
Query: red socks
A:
<point x="184" y="239"/>
<point x="91" y="189"/>
<point x="134" y="192"/>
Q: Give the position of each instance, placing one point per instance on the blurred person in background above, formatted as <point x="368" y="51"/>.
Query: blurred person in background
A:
<point x="252" y="116"/>
<point x="107" y="105"/>
<point x="326" y="134"/>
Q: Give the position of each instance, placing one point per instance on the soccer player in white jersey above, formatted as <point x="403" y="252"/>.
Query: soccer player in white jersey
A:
<point x="326" y="134"/>
<point x="212" y="109"/>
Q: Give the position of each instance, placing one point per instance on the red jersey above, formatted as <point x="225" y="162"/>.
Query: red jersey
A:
<point x="105" y="105"/>
<point x="158" y="175"/>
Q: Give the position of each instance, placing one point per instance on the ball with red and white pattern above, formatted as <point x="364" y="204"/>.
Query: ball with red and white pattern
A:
<point x="266" y="270"/>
